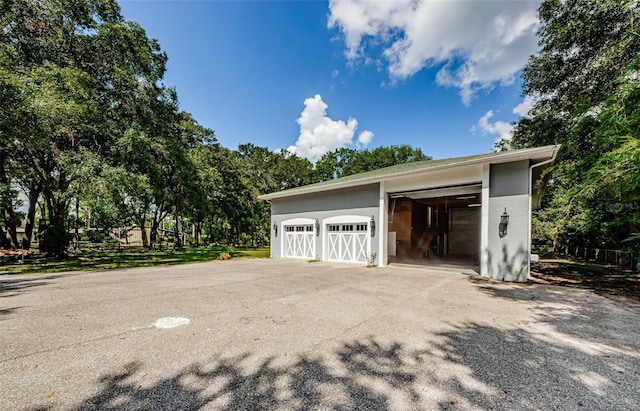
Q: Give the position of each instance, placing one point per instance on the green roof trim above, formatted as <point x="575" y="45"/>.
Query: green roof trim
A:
<point x="405" y="168"/>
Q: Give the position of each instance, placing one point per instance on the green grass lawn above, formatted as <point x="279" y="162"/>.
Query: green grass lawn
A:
<point x="124" y="259"/>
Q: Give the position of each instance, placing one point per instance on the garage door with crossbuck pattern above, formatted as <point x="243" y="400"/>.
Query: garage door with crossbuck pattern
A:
<point x="348" y="242"/>
<point x="299" y="241"/>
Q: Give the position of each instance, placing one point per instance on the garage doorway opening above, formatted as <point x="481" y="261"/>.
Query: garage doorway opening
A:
<point x="436" y="227"/>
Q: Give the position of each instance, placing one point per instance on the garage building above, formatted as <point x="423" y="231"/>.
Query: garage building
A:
<point x="470" y="211"/>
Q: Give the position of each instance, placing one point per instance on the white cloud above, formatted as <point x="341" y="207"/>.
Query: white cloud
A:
<point x="476" y="44"/>
<point x="525" y="107"/>
<point x="320" y="134"/>
<point x="503" y="130"/>
<point x="365" y="137"/>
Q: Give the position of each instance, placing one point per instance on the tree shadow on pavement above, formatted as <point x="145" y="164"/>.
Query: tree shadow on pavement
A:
<point x="572" y="352"/>
<point x="511" y="369"/>
<point x="240" y="384"/>
<point x="576" y="313"/>
<point x="579" y="350"/>
<point x="470" y="367"/>
<point x="10" y="287"/>
<point x="8" y="311"/>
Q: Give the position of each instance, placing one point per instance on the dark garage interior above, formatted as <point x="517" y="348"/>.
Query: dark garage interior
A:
<point x="426" y="227"/>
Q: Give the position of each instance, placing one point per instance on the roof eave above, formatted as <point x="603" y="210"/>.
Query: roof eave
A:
<point x="545" y="153"/>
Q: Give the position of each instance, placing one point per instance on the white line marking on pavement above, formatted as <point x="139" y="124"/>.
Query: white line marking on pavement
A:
<point x="171" y="322"/>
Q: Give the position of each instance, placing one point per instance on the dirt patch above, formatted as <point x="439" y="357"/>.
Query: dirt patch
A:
<point x="13" y="256"/>
<point x="606" y="281"/>
<point x="11" y="253"/>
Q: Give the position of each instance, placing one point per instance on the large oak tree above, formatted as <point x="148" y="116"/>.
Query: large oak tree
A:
<point x="584" y="81"/>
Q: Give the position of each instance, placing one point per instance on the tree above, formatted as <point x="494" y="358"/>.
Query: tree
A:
<point x="228" y="197"/>
<point x="614" y="179"/>
<point x="86" y="125"/>
<point x="187" y="191"/>
<point x="347" y="161"/>
<point x="83" y="71"/>
<point x="13" y="111"/>
<point x="262" y="171"/>
<point x="586" y="48"/>
<point x="203" y="201"/>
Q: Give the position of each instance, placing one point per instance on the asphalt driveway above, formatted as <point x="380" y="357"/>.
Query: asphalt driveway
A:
<point x="286" y="335"/>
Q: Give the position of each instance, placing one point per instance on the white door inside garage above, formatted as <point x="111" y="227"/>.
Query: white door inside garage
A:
<point x="348" y="242"/>
<point x="299" y="241"/>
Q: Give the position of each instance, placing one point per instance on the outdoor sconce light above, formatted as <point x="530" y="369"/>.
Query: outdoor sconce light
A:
<point x="275" y="229"/>
<point x="504" y="223"/>
<point x="317" y="228"/>
<point x="373" y="226"/>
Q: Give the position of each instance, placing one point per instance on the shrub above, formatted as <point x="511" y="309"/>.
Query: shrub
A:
<point x="54" y="240"/>
<point x="94" y="236"/>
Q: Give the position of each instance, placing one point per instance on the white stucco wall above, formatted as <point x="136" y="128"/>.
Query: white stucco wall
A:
<point x="507" y="258"/>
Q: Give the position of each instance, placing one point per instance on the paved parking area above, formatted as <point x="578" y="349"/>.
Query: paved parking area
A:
<point x="277" y="334"/>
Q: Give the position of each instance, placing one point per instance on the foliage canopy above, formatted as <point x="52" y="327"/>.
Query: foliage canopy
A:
<point x="585" y="83"/>
<point x="92" y="136"/>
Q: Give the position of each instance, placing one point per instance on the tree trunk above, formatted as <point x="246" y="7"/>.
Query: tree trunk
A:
<point x="50" y="209"/>
<point x="10" y="225"/>
<point x="156" y="218"/>
<point x="143" y="230"/>
<point x="212" y="238"/>
<point x="77" y="229"/>
<point x="153" y="235"/>
<point x="61" y="207"/>
<point x="176" y="239"/>
<point x="4" y="240"/>
<point x="60" y="214"/>
<point x="33" y="195"/>
<point x="7" y="209"/>
<point x="198" y="232"/>
<point x="235" y="234"/>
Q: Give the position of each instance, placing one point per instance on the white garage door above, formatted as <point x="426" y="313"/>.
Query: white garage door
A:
<point x="299" y="241"/>
<point x="348" y="242"/>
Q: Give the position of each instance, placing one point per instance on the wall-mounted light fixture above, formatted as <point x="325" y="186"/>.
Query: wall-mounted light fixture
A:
<point x="317" y="228"/>
<point x="372" y="224"/>
<point x="504" y="224"/>
<point x="275" y="229"/>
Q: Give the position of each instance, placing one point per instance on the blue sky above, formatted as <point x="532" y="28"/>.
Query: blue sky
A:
<point x="442" y="76"/>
